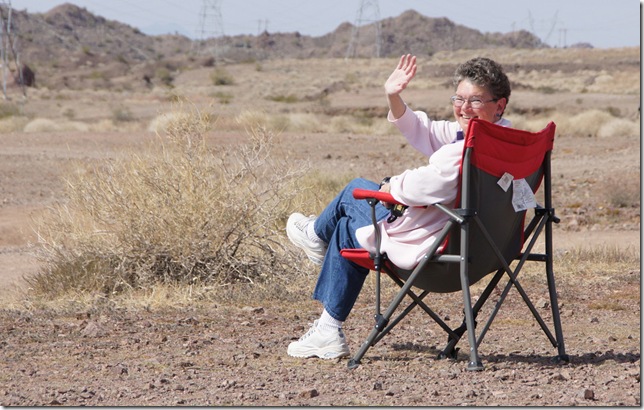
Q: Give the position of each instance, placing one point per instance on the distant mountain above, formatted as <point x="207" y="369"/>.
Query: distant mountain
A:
<point x="70" y="47"/>
<point x="71" y="30"/>
<point x="159" y="29"/>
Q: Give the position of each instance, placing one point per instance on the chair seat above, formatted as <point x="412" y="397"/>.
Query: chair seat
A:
<point x="363" y="258"/>
<point x="360" y="257"/>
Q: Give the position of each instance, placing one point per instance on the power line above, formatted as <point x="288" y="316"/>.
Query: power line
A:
<point x="9" y="43"/>
<point x="211" y="25"/>
<point x="550" y="29"/>
<point x="368" y="12"/>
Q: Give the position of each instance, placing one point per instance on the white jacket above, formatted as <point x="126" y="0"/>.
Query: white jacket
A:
<point x="407" y="239"/>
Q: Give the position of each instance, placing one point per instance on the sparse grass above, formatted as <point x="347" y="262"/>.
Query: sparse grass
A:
<point x="122" y="114"/>
<point x="69" y="113"/>
<point x="606" y="304"/>
<point x="220" y="76"/>
<point x="624" y="192"/>
<point x="13" y="124"/>
<point x="261" y="119"/>
<point x="223" y="98"/>
<point x="596" y="262"/>
<point x="288" y="99"/>
<point x="47" y="125"/>
<point x="318" y="190"/>
<point x="9" y="110"/>
<point x="165" y="76"/>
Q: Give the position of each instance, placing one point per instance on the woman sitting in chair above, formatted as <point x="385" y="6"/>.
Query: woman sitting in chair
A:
<point x="482" y="91"/>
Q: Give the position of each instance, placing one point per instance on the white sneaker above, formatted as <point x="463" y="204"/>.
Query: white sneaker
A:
<point x="296" y="227"/>
<point x="325" y="344"/>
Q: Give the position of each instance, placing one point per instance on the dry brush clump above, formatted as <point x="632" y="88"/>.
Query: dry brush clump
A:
<point x="590" y="123"/>
<point x="179" y="213"/>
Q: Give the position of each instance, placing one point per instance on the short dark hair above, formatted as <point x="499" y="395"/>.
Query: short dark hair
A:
<point x="484" y="72"/>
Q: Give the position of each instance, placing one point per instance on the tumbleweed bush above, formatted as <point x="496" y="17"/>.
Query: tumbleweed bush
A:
<point x="181" y="212"/>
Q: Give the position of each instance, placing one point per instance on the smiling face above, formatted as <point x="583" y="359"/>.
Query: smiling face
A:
<point x="489" y="111"/>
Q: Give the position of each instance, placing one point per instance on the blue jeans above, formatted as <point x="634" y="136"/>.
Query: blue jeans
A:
<point x="341" y="280"/>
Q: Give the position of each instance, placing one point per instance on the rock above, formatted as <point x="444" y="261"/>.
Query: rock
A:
<point x="92" y="329"/>
<point x="543" y="304"/>
<point x="309" y="394"/>
<point x="561" y="376"/>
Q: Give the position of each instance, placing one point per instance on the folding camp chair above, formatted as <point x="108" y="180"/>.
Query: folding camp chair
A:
<point x="484" y="235"/>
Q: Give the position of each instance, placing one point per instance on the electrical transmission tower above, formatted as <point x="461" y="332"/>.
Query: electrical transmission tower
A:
<point x="553" y="23"/>
<point x="211" y="25"/>
<point x="9" y="44"/>
<point x="368" y="12"/>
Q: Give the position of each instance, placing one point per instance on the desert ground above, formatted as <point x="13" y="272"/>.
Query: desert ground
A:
<point x="330" y="114"/>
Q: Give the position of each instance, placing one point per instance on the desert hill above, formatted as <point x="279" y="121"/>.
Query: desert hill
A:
<point x="69" y="28"/>
<point x="69" y="38"/>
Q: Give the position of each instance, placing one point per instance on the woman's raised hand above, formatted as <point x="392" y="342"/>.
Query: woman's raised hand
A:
<point x="402" y="75"/>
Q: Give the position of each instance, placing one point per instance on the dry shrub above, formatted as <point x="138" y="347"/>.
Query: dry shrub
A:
<point x="305" y="122"/>
<point x="163" y="122"/>
<point x="181" y="213"/>
<point x="591" y="123"/>
<point x="349" y="125"/>
<point x="41" y="125"/>
<point x="13" y="124"/>
<point x="47" y="125"/>
<point x="295" y="122"/>
<point x="263" y="120"/>
<point x="621" y="192"/>
<point x="103" y="125"/>
<point x="617" y="127"/>
<point x="530" y="124"/>
<point x="318" y="189"/>
<point x="585" y="124"/>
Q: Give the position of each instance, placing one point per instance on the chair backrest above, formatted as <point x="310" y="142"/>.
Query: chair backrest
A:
<point x="490" y="152"/>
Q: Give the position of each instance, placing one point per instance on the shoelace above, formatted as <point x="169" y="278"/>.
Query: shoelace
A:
<point x="310" y="332"/>
<point x="302" y="223"/>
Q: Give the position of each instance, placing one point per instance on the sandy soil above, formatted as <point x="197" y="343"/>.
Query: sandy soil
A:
<point x="236" y="355"/>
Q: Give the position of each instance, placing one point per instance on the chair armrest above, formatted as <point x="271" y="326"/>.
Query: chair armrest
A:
<point x="360" y="193"/>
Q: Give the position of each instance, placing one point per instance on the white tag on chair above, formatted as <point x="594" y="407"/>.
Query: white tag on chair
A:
<point x="522" y="195"/>
<point x="505" y="181"/>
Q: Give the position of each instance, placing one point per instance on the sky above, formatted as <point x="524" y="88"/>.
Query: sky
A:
<point x="559" y="23"/>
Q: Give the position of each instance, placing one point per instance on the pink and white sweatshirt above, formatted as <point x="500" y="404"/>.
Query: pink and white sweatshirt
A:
<point x="407" y="239"/>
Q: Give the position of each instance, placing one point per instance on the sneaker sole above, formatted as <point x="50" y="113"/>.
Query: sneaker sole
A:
<point x="326" y="353"/>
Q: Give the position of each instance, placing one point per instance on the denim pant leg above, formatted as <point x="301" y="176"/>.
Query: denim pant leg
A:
<point x="341" y="280"/>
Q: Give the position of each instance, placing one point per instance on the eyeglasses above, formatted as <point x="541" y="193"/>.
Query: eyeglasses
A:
<point x="474" y="102"/>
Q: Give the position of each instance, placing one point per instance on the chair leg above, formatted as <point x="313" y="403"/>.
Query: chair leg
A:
<point x="475" y="363"/>
<point x="450" y="349"/>
<point x="562" y="357"/>
<point x="354" y="362"/>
